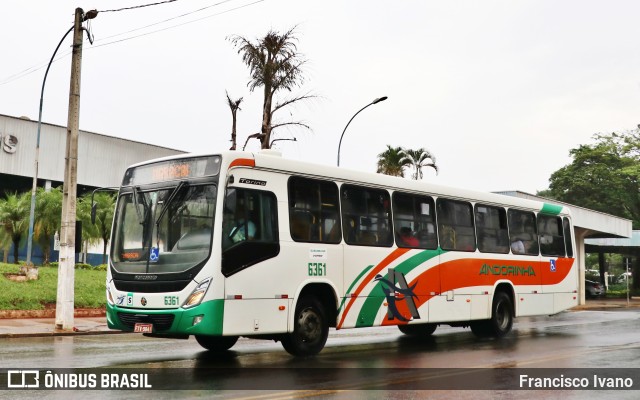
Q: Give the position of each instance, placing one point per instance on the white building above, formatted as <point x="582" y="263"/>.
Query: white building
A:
<point x="102" y="159"/>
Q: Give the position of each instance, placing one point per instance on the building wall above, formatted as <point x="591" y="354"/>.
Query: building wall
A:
<point x="102" y="161"/>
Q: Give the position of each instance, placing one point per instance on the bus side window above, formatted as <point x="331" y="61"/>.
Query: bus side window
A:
<point x="566" y="226"/>
<point x="522" y="232"/>
<point x="366" y="216"/>
<point x="414" y="221"/>
<point x="313" y="210"/>
<point x="550" y="235"/>
<point x="491" y="226"/>
<point x="455" y="225"/>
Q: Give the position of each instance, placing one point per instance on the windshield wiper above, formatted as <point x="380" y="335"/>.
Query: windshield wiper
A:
<point x="136" y="204"/>
<point x="172" y="196"/>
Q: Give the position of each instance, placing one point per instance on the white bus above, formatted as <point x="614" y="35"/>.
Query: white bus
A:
<point x="241" y="244"/>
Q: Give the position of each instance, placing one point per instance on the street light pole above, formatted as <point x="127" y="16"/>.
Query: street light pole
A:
<point x="275" y="140"/>
<point x="29" y="264"/>
<point x="378" y="100"/>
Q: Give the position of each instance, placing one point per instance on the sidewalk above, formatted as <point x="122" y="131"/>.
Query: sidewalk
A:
<point x="26" y="327"/>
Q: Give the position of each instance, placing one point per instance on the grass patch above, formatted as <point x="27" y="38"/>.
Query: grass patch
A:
<point x="35" y="295"/>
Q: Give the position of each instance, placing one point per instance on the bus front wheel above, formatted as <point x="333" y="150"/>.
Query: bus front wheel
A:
<point x="418" y="329"/>
<point x="310" y="329"/>
<point x="216" y="344"/>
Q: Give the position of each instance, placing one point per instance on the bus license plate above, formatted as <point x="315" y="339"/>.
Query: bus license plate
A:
<point x="143" y="328"/>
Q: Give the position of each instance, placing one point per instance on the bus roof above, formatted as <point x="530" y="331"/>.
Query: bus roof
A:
<point x="272" y="160"/>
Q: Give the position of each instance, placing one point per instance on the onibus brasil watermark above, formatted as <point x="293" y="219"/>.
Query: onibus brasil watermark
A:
<point x="35" y="379"/>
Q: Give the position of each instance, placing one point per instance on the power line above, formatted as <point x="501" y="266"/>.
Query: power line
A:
<point x="41" y="65"/>
<point x="141" y="6"/>
<point x="176" y="26"/>
<point x="166" y="20"/>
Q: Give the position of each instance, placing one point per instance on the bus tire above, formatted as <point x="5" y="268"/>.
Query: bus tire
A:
<point x="501" y="315"/>
<point x="418" y="329"/>
<point x="310" y="329"/>
<point x="501" y="320"/>
<point x="216" y="344"/>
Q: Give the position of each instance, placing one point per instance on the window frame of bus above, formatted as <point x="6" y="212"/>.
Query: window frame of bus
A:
<point x="501" y="212"/>
<point x="535" y="234"/>
<point x="196" y="167"/>
<point x="246" y="253"/>
<point x="441" y="200"/>
<point x="414" y="199"/>
<point x="346" y="218"/>
<point x="324" y="187"/>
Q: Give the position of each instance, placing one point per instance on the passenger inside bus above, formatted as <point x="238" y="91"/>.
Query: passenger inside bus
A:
<point x="407" y="238"/>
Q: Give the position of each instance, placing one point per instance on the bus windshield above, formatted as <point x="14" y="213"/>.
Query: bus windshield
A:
<point x="164" y="230"/>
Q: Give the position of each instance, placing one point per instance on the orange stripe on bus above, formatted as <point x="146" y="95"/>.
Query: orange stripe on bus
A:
<point x="462" y="273"/>
<point x="243" y="162"/>
<point x="388" y="260"/>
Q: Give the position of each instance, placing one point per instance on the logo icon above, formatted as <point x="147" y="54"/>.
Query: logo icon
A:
<point x="120" y="300"/>
<point x="143" y="301"/>
<point x="552" y="265"/>
<point x="23" y="379"/>
<point x="394" y="293"/>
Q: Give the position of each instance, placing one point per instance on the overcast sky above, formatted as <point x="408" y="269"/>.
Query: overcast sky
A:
<point x="498" y="91"/>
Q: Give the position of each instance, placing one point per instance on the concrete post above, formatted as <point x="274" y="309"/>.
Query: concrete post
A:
<point x="66" y="272"/>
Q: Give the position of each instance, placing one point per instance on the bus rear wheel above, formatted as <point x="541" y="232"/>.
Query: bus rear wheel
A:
<point x="501" y="320"/>
<point x="310" y="329"/>
<point x="216" y="344"/>
<point x="418" y="329"/>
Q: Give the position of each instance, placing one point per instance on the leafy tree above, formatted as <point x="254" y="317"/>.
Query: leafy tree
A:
<point x="603" y="176"/>
<point x="14" y="217"/>
<point x="234" y="105"/>
<point x="390" y="162"/>
<point x="101" y="230"/>
<point x="418" y="159"/>
<point x="275" y="65"/>
<point x="48" y="215"/>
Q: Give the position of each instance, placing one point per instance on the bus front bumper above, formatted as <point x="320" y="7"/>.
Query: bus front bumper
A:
<point x="203" y="319"/>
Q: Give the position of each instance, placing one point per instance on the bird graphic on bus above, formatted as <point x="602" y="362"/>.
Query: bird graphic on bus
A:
<point x="390" y="290"/>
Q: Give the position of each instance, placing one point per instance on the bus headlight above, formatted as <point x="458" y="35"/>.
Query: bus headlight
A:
<point x="198" y="294"/>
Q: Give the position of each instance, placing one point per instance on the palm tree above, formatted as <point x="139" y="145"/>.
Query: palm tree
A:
<point x="101" y="230"/>
<point x="48" y="211"/>
<point x="390" y="162"/>
<point x="274" y="64"/>
<point x="14" y="217"/>
<point x="234" y="105"/>
<point x="418" y="159"/>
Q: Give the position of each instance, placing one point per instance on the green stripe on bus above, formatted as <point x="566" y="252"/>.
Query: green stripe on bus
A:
<point x="364" y="271"/>
<point x="552" y="209"/>
<point x="374" y="301"/>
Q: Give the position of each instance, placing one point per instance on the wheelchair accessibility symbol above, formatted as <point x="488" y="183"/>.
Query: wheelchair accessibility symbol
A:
<point x="154" y="255"/>
<point x="552" y="265"/>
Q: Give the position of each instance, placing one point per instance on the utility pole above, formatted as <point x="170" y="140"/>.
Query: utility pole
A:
<point x="66" y="265"/>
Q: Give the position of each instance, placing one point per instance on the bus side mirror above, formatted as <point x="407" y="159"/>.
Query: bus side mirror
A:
<point x="94" y="208"/>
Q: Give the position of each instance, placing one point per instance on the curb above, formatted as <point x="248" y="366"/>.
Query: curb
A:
<point x="51" y="313"/>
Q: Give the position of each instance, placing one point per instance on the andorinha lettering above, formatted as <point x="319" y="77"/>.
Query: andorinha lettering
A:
<point x="487" y="269"/>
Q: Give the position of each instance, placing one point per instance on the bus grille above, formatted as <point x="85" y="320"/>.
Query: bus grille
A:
<point x="150" y="287"/>
<point x="160" y="322"/>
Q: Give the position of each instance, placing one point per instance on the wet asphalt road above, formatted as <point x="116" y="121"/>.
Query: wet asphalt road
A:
<point x="353" y="361"/>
